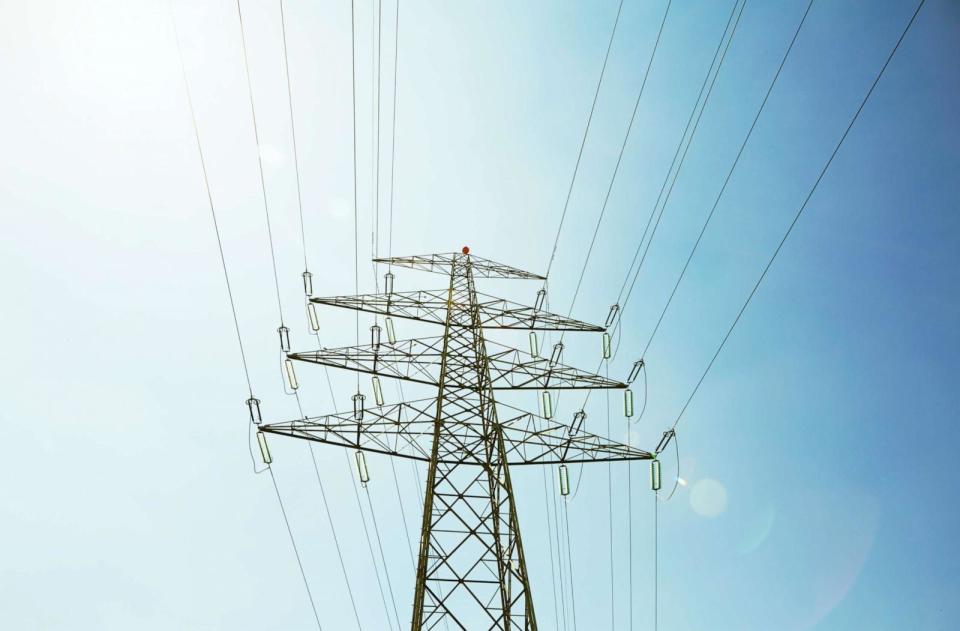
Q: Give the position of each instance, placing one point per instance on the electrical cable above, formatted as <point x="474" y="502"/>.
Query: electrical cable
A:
<point x="706" y="89"/>
<point x="333" y="531"/>
<point x="216" y="228"/>
<point x="356" y="219"/>
<point x="383" y="558"/>
<point x="799" y="212"/>
<point x="263" y="183"/>
<point x="553" y="574"/>
<point x="616" y="168"/>
<point x="296" y="552"/>
<point x="393" y="126"/>
<point x="356" y="494"/>
<point x="726" y="181"/>
<point x="682" y="146"/>
<point x="573" y="591"/>
<point x="613" y="619"/>
<point x="583" y="142"/>
<point x="630" y="531"/>
<point x="656" y="567"/>
<point x="293" y="134"/>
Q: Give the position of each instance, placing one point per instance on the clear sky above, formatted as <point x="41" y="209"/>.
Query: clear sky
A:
<point x="819" y="453"/>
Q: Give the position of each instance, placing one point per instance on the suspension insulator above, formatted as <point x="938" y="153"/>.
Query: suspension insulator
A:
<point x="612" y="315"/>
<point x="577" y="423"/>
<point x="635" y="371"/>
<point x="564" y="480"/>
<point x="264" y="449"/>
<point x="377" y="391"/>
<point x="284" y="334"/>
<point x="391" y="335"/>
<point x="628" y="402"/>
<point x="388" y="283"/>
<point x="358" y="399"/>
<point x="534" y="346"/>
<point x="655" y="475"/>
<point x="362" y="472"/>
<point x="546" y="404"/>
<point x="556" y="354"/>
<point x="290" y="374"/>
<point x="605" y="345"/>
<point x="308" y="283"/>
<point x="254" y="405"/>
<point x="312" y="318"/>
<point x="375" y="337"/>
<point x="541" y="298"/>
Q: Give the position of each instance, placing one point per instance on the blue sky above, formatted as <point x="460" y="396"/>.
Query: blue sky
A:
<point x="818" y="453"/>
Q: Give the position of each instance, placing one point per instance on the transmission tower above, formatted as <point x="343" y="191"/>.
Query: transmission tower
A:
<point x="471" y="571"/>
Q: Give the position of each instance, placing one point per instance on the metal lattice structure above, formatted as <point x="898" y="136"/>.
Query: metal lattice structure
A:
<point x="471" y="571"/>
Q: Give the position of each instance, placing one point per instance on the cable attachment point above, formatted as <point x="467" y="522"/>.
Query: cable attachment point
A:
<point x="614" y="310"/>
<point x="253" y="404"/>
<point x="665" y="440"/>
<point x="307" y="283"/>
<point x="635" y="371"/>
<point x="557" y="352"/>
<point x="358" y="399"/>
<point x="284" y="334"/>
<point x="577" y="423"/>
<point x="541" y="297"/>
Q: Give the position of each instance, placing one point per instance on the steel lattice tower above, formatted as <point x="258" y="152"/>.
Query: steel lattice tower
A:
<point x="471" y="570"/>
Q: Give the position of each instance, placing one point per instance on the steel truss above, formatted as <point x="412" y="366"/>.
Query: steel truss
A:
<point x="471" y="572"/>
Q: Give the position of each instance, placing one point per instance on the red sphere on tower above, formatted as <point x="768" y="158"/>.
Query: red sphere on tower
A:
<point x="466" y="250"/>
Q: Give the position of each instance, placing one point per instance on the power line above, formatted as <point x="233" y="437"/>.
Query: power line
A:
<point x="296" y="552"/>
<point x="213" y="212"/>
<point x="726" y="181"/>
<point x="263" y="183"/>
<point x="383" y="558"/>
<point x="356" y="219"/>
<point x="333" y="531"/>
<point x="393" y="126"/>
<point x="696" y="113"/>
<point x="583" y="142"/>
<point x="616" y="168"/>
<point x="684" y="146"/>
<point x="799" y="212"/>
<point x="293" y="134"/>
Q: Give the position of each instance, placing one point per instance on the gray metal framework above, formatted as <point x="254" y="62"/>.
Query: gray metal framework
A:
<point x="471" y="572"/>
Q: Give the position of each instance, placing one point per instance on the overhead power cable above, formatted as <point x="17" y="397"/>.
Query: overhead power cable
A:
<point x="583" y="142"/>
<point x="692" y="125"/>
<point x="356" y="219"/>
<point x="726" y="181"/>
<point x="616" y="168"/>
<point x="393" y="125"/>
<point x="213" y="212"/>
<point x="296" y="551"/>
<point x="800" y="210"/>
<point x="293" y="134"/>
<point x="683" y="147"/>
<point x="263" y="183"/>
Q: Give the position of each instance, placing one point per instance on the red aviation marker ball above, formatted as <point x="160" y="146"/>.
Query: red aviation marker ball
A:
<point x="466" y="250"/>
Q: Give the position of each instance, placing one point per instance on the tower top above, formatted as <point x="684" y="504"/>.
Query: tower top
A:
<point x="443" y="263"/>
